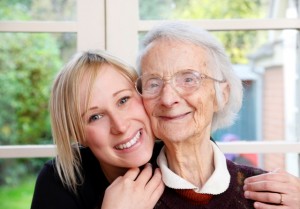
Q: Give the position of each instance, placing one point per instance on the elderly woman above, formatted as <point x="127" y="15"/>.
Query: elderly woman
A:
<point x="189" y="90"/>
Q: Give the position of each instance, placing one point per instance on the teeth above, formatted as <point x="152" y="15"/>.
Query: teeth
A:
<point x="130" y="143"/>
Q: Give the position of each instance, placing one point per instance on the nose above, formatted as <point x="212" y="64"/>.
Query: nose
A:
<point x="118" y="123"/>
<point x="169" y="96"/>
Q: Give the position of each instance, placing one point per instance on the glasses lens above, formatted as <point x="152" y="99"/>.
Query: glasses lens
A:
<point x="184" y="82"/>
<point x="187" y="80"/>
<point x="149" y="86"/>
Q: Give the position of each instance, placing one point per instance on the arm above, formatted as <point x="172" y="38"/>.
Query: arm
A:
<point x="49" y="193"/>
<point x="274" y="189"/>
<point x="140" y="190"/>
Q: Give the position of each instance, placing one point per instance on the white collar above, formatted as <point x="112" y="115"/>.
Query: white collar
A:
<point x="217" y="183"/>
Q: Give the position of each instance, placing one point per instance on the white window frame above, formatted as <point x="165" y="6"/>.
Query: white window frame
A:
<point x="113" y="25"/>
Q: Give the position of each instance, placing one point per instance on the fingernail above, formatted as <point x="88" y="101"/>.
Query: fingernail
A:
<point x="275" y="170"/>
<point x="148" y="164"/>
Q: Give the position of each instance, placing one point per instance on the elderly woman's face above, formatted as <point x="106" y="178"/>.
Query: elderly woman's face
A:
<point x="178" y="115"/>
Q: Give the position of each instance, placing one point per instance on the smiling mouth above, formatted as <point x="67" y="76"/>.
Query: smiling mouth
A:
<point x="130" y="143"/>
<point x="174" y="117"/>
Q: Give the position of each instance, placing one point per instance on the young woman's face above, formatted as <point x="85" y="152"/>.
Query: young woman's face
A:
<point x="116" y="125"/>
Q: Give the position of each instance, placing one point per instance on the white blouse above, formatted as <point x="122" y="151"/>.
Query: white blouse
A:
<point x="216" y="184"/>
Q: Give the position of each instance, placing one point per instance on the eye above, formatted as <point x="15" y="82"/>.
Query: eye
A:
<point x="152" y="84"/>
<point x="95" y="117"/>
<point x="123" y="100"/>
<point x="187" y="79"/>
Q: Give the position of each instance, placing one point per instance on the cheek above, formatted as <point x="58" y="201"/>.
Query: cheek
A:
<point x="149" y="106"/>
<point x="137" y="107"/>
<point x="93" y="135"/>
<point x="204" y="106"/>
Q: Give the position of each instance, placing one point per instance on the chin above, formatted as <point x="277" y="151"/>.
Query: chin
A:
<point x="142" y="160"/>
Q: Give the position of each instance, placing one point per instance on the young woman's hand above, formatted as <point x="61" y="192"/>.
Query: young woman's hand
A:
<point x="134" y="190"/>
<point x="274" y="190"/>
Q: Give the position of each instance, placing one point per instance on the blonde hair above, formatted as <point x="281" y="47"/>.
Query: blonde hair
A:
<point x="65" y="110"/>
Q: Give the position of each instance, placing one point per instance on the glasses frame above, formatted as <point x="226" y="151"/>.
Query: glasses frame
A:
<point x="199" y="75"/>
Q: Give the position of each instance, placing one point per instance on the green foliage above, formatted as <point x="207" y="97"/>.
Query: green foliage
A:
<point x="28" y="63"/>
<point x="224" y="9"/>
<point x="18" y="196"/>
<point x="239" y="43"/>
<point x="155" y="9"/>
<point x="14" y="9"/>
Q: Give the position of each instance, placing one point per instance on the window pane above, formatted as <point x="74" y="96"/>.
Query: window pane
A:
<point x="28" y="63"/>
<point x="47" y="10"/>
<point x="266" y="161"/>
<point x="207" y="9"/>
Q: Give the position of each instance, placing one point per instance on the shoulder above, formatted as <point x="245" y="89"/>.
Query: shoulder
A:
<point x="90" y="166"/>
<point x="48" y="172"/>
<point x="48" y="185"/>
<point x="90" y="191"/>
<point x="243" y="171"/>
<point x="88" y="162"/>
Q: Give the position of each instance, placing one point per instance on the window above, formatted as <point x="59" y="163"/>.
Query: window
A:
<point x="34" y="40"/>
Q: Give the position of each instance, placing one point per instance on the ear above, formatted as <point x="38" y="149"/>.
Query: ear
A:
<point x="225" y="91"/>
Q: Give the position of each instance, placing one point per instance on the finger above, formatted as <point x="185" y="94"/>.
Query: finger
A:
<point x="261" y="205"/>
<point x="156" y="194"/>
<point x="156" y="187"/>
<point x="267" y="197"/>
<point x="277" y="187"/>
<point x="292" y="186"/>
<point x="145" y="175"/>
<point x="271" y="176"/>
<point x="287" y="177"/>
<point x="154" y="181"/>
<point x="160" y="187"/>
<point x="132" y="174"/>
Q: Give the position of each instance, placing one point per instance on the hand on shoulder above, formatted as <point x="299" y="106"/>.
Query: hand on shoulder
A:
<point x="272" y="189"/>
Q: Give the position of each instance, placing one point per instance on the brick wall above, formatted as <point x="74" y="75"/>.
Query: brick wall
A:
<point x="273" y="114"/>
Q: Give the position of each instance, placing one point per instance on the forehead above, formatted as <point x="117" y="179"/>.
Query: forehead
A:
<point x="170" y="56"/>
<point x="106" y="78"/>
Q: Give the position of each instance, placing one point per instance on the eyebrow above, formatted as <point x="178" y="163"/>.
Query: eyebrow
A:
<point x="95" y="107"/>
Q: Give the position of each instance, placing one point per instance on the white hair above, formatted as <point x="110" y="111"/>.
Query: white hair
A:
<point x="221" y="66"/>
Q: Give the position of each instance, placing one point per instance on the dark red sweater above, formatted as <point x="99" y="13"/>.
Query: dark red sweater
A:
<point x="232" y="198"/>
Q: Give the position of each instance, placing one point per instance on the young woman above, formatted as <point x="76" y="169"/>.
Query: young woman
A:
<point x="101" y="130"/>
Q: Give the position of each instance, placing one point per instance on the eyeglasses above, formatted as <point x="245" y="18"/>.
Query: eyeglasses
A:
<point x="183" y="82"/>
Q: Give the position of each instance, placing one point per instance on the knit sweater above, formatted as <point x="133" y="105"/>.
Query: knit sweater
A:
<point x="232" y="198"/>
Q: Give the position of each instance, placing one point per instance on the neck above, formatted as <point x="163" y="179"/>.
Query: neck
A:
<point x="192" y="161"/>
<point x="112" y="172"/>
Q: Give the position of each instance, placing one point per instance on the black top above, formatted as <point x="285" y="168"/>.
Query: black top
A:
<point x="50" y="193"/>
